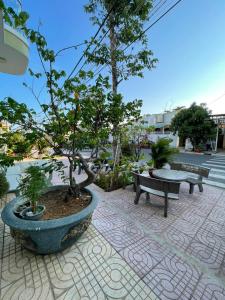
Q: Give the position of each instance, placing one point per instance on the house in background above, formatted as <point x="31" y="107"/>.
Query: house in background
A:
<point x="161" y="123"/>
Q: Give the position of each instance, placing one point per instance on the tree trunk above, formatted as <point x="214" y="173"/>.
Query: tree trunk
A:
<point x="113" y="45"/>
<point x="75" y="188"/>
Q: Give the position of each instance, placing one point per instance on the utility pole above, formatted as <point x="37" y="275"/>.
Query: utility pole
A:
<point x="217" y="134"/>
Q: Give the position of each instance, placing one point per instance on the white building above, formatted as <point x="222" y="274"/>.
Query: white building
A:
<point x="161" y="123"/>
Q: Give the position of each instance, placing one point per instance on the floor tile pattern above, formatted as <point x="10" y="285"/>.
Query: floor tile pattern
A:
<point x="129" y="252"/>
<point x="179" y="257"/>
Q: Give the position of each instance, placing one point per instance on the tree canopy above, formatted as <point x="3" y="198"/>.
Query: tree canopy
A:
<point x="194" y="123"/>
<point x="124" y="26"/>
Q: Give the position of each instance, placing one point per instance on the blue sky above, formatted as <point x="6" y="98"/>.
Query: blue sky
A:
<point x="189" y="43"/>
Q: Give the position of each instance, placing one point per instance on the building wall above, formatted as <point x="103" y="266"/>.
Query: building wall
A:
<point x="163" y="119"/>
<point x="174" y="138"/>
<point x="162" y="122"/>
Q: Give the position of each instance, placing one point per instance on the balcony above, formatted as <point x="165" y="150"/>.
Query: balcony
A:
<point x="14" y="50"/>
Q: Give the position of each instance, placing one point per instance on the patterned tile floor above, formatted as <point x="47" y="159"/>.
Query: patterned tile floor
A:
<point x="129" y="252"/>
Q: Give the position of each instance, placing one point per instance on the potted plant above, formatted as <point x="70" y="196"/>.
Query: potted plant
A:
<point x="74" y="117"/>
<point x="31" y="187"/>
<point x="161" y="153"/>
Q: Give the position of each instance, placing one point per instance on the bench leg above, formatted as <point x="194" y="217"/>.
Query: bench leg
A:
<point x="191" y="190"/>
<point x="138" y="194"/>
<point x="166" y="206"/>
<point x="147" y="197"/>
<point x="200" y="186"/>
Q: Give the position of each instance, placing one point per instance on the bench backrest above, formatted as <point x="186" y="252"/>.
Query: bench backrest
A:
<point x="202" y="171"/>
<point x="157" y="184"/>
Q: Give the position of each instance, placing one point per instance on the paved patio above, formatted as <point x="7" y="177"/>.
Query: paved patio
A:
<point x="129" y="252"/>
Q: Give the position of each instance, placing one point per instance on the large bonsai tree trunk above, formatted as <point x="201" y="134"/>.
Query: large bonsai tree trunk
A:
<point x="75" y="188"/>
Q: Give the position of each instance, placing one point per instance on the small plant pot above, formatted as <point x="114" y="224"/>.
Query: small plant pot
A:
<point x="20" y="207"/>
<point x="29" y="215"/>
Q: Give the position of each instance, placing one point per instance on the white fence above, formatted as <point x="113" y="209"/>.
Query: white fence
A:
<point x="155" y="136"/>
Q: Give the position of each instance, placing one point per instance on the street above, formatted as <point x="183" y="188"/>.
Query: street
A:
<point x="214" y="162"/>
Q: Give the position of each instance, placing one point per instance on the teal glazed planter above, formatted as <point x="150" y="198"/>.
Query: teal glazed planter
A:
<point x="48" y="236"/>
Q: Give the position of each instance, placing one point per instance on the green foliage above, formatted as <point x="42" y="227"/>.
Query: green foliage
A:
<point x="103" y="180"/>
<point x="104" y="155"/>
<point x="74" y="116"/>
<point x="33" y="184"/>
<point x="120" y="180"/>
<point x="194" y="123"/>
<point x="133" y="138"/>
<point x="16" y="142"/>
<point x="126" y="23"/>
<point x="41" y="145"/>
<point x="4" y="185"/>
<point x="120" y="176"/>
<point x="12" y="18"/>
<point x="162" y="152"/>
<point x="128" y="149"/>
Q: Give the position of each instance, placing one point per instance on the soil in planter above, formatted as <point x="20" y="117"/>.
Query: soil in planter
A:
<point x="56" y="207"/>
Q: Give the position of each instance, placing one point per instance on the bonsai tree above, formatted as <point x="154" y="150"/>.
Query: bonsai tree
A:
<point x="65" y="122"/>
<point x="74" y="115"/>
<point x="4" y="185"/>
<point x="162" y="152"/>
<point x="32" y="185"/>
<point x="194" y="123"/>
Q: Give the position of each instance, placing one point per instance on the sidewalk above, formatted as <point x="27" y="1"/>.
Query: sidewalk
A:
<point x="219" y="153"/>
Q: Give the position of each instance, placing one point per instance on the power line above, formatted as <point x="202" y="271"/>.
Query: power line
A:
<point x="89" y="45"/>
<point x="156" y="8"/>
<point x="150" y="26"/>
<point x="218" y="98"/>
<point x="143" y="32"/>
<point x="105" y="34"/>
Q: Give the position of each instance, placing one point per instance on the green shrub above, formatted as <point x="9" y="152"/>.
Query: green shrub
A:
<point x="109" y="182"/>
<point x="33" y="184"/>
<point x="103" y="181"/>
<point x="162" y="152"/>
<point x="4" y="185"/>
<point x="128" y="149"/>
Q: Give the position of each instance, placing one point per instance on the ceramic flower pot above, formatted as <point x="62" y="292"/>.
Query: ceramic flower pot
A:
<point x="48" y="236"/>
<point x="20" y="207"/>
<point x="28" y="214"/>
